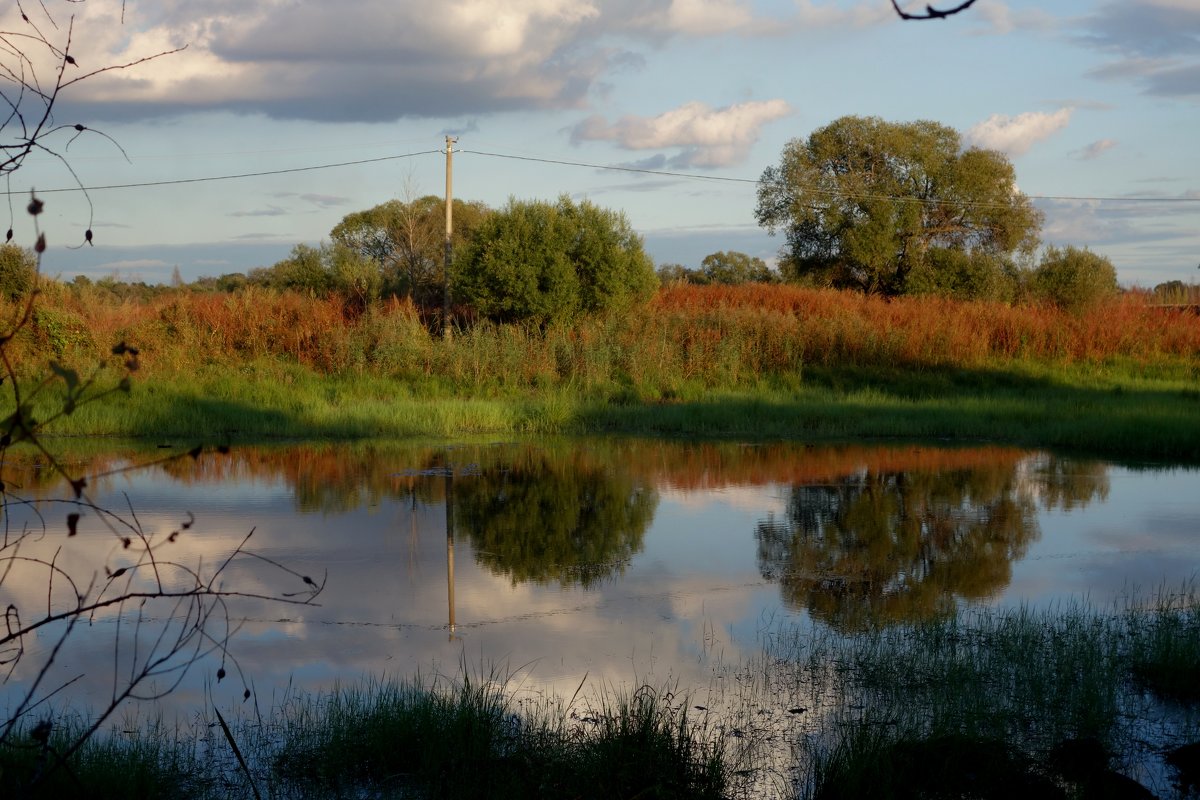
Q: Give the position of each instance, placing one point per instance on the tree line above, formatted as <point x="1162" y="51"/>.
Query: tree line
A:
<point x="862" y="204"/>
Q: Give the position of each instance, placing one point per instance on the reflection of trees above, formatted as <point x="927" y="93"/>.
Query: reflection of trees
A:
<point x="538" y="520"/>
<point x="878" y="547"/>
<point x="884" y="545"/>
<point x="1065" y="483"/>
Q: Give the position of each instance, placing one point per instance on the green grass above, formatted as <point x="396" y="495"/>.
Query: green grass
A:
<point x="1109" y="412"/>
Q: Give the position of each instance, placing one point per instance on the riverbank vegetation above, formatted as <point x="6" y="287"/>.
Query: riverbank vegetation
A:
<point x="750" y="360"/>
<point x="1066" y="702"/>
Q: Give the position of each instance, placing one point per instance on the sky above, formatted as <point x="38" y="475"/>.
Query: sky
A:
<point x="668" y="110"/>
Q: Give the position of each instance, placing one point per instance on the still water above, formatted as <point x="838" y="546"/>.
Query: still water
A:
<point x="613" y="562"/>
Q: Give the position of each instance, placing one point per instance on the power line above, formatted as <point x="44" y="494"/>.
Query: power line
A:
<point x="852" y="195"/>
<point x="613" y="168"/>
<point x="600" y="167"/>
<point x="211" y="178"/>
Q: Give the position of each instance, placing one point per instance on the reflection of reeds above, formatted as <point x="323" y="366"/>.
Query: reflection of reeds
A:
<point x="382" y="469"/>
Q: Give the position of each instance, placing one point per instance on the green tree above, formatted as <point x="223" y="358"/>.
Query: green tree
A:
<point x="673" y="273"/>
<point x="407" y="241"/>
<point x="549" y="262"/>
<point x="1073" y="278"/>
<point x="864" y="203"/>
<point x="18" y="271"/>
<point x="730" y="267"/>
<point x="323" y="270"/>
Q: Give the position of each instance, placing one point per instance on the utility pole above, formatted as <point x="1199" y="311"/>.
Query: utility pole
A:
<point x="450" y="140"/>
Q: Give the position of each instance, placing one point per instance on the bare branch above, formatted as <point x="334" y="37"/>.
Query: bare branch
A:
<point x="931" y="12"/>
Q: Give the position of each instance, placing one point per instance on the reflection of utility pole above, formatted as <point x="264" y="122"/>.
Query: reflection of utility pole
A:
<point x="449" y="253"/>
<point x="450" y="544"/>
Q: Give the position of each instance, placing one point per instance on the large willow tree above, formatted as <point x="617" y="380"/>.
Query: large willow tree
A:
<point x="894" y="208"/>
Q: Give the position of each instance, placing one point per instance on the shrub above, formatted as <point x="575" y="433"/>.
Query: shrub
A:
<point x="549" y="262"/>
<point x="1073" y="279"/>
<point x="18" y="269"/>
<point x="963" y="276"/>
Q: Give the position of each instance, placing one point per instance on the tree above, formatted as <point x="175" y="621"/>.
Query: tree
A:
<point x="674" y="273"/>
<point x="1074" y="279"/>
<point x="406" y="240"/>
<point x="864" y="203"/>
<point x="323" y="270"/>
<point x="549" y="262"/>
<point x="731" y="267"/>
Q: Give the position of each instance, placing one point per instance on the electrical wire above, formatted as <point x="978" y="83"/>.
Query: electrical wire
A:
<point x="601" y="167"/>
<point x="211" y="178"/>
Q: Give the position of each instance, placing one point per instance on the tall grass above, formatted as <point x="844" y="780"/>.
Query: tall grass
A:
<point x="705" y="335"/>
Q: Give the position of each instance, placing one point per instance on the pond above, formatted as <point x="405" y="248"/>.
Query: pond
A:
<point x="610" y="562"/>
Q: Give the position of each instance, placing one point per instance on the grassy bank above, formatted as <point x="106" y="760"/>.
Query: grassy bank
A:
<point x="1092" y="411"/>
<point x="1064" y="703"/>
<point x="761" y="361"/>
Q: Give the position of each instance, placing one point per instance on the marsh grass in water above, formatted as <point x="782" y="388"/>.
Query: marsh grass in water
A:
<point x="467" y="740"/>
<point x="984" y="701"/>
<point x="139" y="758"/>
<point x="1058" y="703"/>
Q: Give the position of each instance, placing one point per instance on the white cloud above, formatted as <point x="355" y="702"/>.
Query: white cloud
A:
<point x="1015" y="135"/>
<point x="378" y="60"/>
<point x="707" y="17"/>
<point x="708" y="137"/>
<point x="999" y="18"/>
<point x="1095" y="149"/>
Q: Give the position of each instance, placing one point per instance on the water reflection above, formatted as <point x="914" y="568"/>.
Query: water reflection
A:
<point x="622" y="560"/>
<point x="881" y="546"/>
<point x="571" y="521"/>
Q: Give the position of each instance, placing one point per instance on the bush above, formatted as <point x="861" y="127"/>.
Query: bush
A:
<point x="1073" y="279"/>
<point x="550" y="262"/>
<point x="962" y="276"/>
<point x="18" y="268"/>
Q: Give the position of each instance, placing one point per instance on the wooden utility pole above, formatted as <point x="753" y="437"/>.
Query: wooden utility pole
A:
<point x="449" y="254"/>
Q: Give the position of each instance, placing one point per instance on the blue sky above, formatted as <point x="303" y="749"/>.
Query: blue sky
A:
<point x="1089" y="99"/>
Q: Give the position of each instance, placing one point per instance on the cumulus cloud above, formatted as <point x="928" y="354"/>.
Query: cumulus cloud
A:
<point x="1015" y="135"/>
<point x="1155" y="43"/>
<point x="378" y="60"/>
<point x="355" y="60"/>
<point x="708" y="137"/>
<point x="1095" y="149"/>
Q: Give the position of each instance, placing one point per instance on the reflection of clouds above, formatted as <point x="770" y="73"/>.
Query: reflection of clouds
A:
<point x="759" y="499"/>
